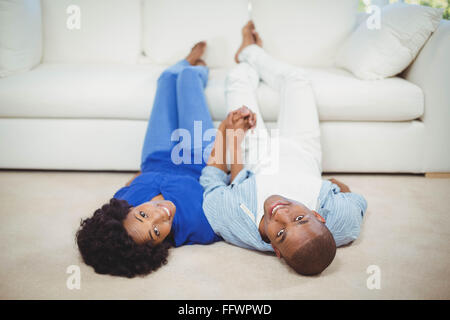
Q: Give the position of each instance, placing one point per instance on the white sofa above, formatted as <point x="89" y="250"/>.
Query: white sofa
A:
<point x="85" y="105"/>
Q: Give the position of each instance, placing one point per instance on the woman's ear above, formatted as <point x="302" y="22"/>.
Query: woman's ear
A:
<point x="277" y="252"/>
<point x="319" y="217"/>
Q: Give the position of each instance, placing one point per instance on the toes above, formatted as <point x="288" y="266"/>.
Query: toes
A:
<point x="199" y="44"/>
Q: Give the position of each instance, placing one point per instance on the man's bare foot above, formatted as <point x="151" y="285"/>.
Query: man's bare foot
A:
<point x="196" y="53"/>
<point x="258" y="39"/>
<point x="247" y="38"/>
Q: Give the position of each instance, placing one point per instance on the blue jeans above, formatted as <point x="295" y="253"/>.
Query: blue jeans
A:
<point x="179" y="101"/>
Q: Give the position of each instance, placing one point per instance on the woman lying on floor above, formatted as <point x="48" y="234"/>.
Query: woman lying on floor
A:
<point x="162" y="206"/>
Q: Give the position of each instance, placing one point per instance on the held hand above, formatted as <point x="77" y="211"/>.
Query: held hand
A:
<point x="242" y="118"/>
<point x="344" y="188"/>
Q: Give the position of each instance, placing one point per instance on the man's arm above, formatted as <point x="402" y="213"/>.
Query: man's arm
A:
<point x="344" y="188"/>
<point x="236" y="162"/>
<point x="241" y="121"/>
<point x="232" y="128"/>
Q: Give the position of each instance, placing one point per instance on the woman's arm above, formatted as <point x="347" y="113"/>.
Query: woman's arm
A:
<point x="218" y="154"/>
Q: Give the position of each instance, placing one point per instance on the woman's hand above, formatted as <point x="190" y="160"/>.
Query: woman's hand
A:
<point x="242" y="118"/>
<point x="237" y="123"/>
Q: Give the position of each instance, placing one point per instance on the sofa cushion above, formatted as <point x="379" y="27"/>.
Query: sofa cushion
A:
<point x="305" y="32"/>
<point x="372" y="53"/>
<point x="109" y="30"/>
<point x="56" y="90"/>
<point x="126" y="92"/>
<point x="342" y="96"/>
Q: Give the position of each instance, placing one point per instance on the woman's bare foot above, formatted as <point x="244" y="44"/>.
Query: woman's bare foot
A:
<point x="196" y="53"/>
<point x="247" y="38"/>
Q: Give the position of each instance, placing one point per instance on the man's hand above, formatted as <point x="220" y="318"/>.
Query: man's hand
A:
<point x="237" y="123"/>
<point x="344" y="188"/>
<point x="242" y="118"/>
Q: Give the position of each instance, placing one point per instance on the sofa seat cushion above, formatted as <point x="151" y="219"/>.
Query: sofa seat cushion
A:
<point x="103" y="91"/>
<point x="340" y="96"/>
<point x="117" y="91"/>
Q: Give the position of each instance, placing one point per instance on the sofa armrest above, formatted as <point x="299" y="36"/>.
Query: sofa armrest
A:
<point x="431" y="72"/>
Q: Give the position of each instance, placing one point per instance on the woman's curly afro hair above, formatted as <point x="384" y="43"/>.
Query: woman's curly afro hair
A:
<point x="105" y="245"/>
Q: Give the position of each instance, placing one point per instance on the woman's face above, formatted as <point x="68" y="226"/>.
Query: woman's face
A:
<point x="150" y="221"/>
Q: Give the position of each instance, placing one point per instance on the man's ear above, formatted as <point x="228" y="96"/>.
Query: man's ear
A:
<point x="277" y="252"/>
<point x="319" y="217"/>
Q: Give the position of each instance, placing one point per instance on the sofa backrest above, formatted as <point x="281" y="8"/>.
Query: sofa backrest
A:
<point x="171" y="27"/>
<point x="110" y="30"/>
<point x="300" y="32"/>
<point x="305" y="32"/>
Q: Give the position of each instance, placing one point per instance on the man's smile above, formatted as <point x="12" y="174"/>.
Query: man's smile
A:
<point x="277" y="205"/>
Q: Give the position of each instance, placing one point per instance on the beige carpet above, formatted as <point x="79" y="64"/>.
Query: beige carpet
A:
<point x="406" y="232"/>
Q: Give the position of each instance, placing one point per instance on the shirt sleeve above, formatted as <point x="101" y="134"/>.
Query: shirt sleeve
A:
<point x="345" y="218"/>
<point x="221" y="205"/>
<point x="243" y="175"/>
<point x="213" y="178"/>
<point x="121" y="192"/>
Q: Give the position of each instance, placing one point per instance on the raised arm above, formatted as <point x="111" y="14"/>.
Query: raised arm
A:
<point x="242" y="120"/>
<point x="218" y="154"/>
<point x="229" y="138"/>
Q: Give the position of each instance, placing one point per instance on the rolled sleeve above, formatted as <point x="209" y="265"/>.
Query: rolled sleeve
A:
<point x="343" y="213"/>
<point x="213" y="178"/>
<point x="359" y="202"/>
<point x="243" y="175"/>
<point x="351" y="208"/>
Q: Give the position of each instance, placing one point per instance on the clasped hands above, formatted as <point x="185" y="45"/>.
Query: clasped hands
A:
<point x="230" y="134"/>
<point x="238" y="122"/>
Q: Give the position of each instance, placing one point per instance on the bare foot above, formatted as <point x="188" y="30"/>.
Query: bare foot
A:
<point x="196" y="53"/>
<point x="258" y="39"/>
<point x="247" y="38"/>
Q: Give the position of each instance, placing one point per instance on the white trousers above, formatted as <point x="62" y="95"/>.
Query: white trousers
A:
<point x="298" y="118"/>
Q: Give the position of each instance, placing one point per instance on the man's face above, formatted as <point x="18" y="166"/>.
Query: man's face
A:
<point x="288" y="224"/>
<point x="150" y="221"/>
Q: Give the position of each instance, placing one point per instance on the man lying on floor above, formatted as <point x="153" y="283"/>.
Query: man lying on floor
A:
<point x="293" y="212"/>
